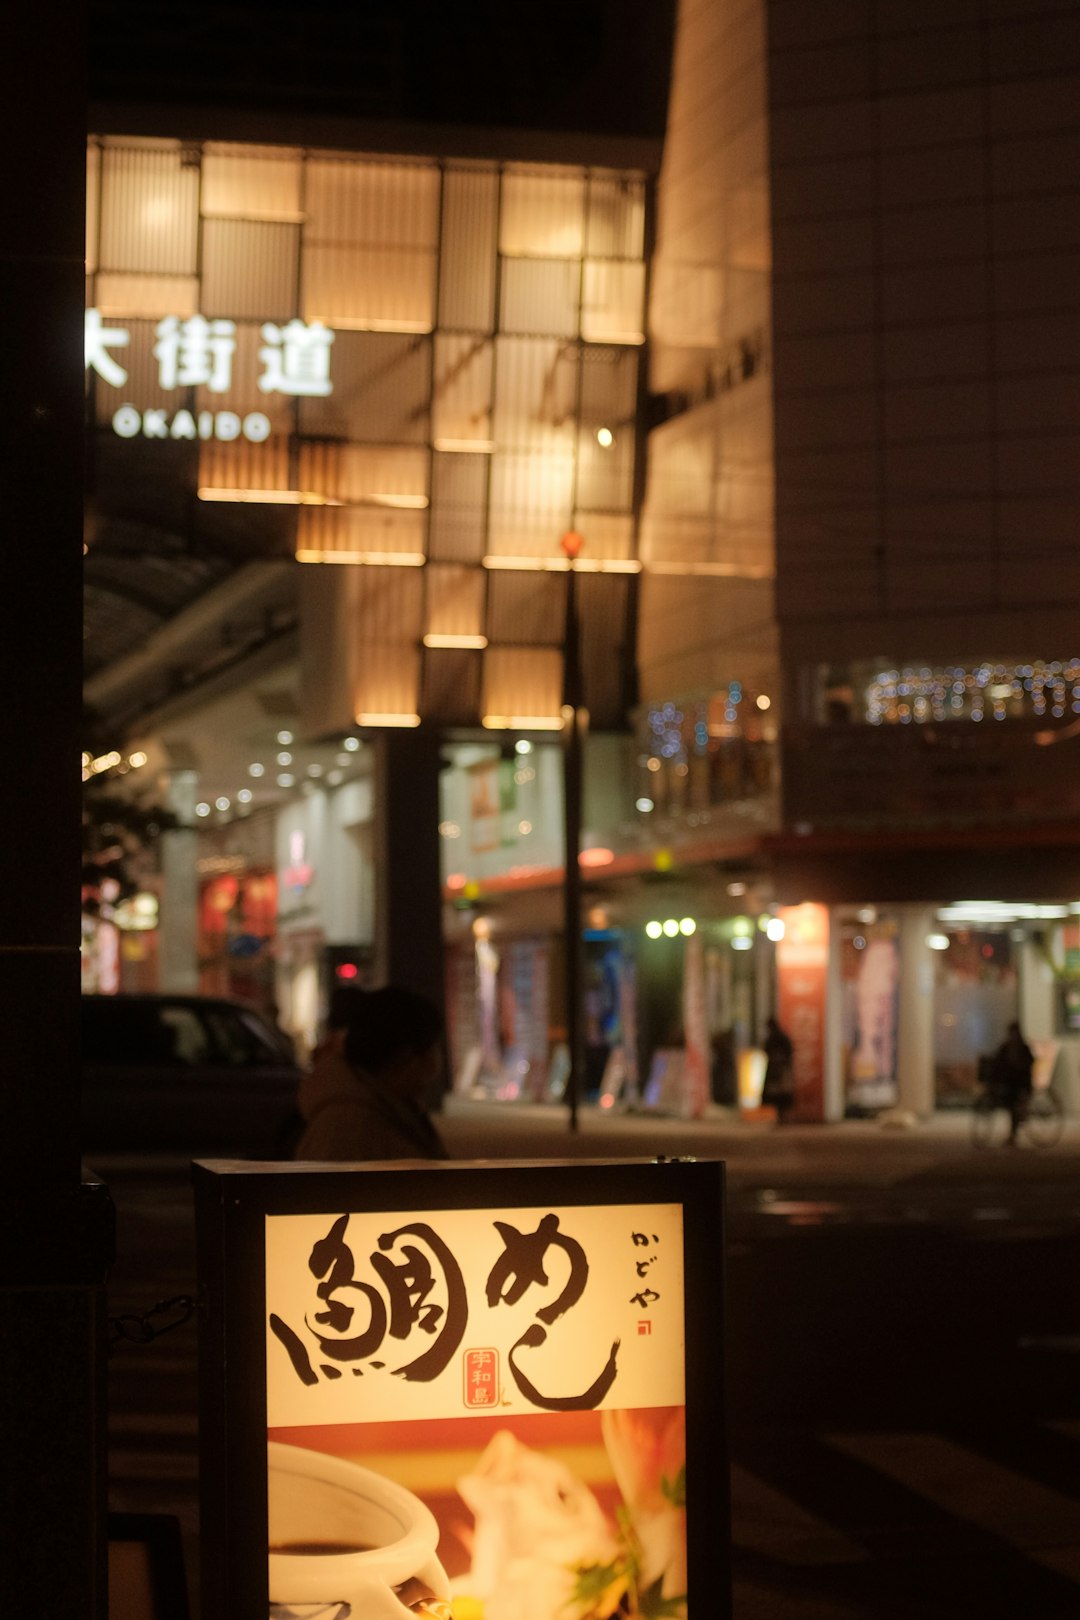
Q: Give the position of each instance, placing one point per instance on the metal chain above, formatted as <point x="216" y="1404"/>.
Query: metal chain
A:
<point x="145" y="1329"/>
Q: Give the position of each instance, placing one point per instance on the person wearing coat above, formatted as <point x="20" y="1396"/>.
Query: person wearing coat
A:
<point x="365" y="1096"/>
<point x="778" y="1088"/>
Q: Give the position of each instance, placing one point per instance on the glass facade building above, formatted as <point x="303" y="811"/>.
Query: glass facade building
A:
<point x="435" y="366"/>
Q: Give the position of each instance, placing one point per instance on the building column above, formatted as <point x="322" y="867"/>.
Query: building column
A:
<point x="179" y="920"/>
<point x="835" y="1090"/>
<point x="1037" y="993"/>
<point x="408" y="875"/>
<point x="915" y="1029"/>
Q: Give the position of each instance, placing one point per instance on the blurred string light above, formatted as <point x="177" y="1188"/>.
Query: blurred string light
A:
<point x="976" y="692"/>
<point x="114" y="760"/>
<point x="665" y="727"/>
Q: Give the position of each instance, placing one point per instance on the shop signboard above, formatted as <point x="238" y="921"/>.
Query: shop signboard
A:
<point x="198" y="353"/>
<point x="463" y="1391"/>
<point x="802" y="962"/>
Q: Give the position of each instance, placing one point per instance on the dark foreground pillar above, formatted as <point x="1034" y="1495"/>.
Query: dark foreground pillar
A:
<point x="408" y="892"/>
<point x="55" y="1230"/>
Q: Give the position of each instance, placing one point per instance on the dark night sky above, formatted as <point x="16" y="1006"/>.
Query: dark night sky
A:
<point x="557" y="65"/>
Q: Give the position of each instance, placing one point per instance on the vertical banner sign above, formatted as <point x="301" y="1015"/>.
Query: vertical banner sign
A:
<point x="802" y="961"/>
<point x="471" y="1413"/>
<point x="695" y="1028"/>
<point x="485" y="807"/>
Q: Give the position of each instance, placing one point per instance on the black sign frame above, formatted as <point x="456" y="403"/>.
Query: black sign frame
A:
<point x="232" y="1201"/>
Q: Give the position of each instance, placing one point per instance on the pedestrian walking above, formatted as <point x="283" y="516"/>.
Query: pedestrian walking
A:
<point x="778" y="1089"/>
<point x="1013" y="1064"/>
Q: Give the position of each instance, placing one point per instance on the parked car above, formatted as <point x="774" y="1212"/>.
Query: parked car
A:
<point x="198" y="1074"/>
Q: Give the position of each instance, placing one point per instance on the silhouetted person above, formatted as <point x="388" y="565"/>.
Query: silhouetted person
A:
<point x="723" y="1081"/>
<point x="364" y="1097"/>
<point x="778" y="1089"/>
<point x="1013" y="1065"/>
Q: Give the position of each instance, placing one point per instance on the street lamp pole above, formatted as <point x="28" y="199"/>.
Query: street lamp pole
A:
<point x="574" y="721"/>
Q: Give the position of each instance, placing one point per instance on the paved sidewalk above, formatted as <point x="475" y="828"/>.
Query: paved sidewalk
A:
<point x="855" y="1153"/>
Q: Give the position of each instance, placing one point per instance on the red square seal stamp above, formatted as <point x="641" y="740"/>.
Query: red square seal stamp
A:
<point x="481" y="1375"/>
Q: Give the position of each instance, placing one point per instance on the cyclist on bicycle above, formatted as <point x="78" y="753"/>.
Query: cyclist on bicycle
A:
<point x="1011" y="1077"/>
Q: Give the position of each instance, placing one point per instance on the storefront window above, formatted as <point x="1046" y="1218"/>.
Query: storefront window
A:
<point x="698" y="755"/>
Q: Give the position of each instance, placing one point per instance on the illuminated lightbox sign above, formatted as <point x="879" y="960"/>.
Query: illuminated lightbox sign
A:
<point x="294" y="360"/>
<point x="469" y="1392"/>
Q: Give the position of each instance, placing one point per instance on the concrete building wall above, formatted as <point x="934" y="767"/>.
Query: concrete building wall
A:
<point x="925" y="187"/>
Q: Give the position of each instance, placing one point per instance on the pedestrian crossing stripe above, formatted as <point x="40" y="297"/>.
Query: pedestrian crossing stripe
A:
<point x="771" y="1524"/>
<point x="1039" y="1522"/>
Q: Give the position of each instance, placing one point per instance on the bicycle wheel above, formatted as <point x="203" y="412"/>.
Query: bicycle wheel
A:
<point x="989" y="1122"/>
<point x="1044" y="1121"/>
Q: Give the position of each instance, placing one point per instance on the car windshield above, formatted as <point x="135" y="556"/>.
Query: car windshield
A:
<point x="168" y="1033"/>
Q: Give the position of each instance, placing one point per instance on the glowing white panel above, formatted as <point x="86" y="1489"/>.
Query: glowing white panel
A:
<point x="249" y="269"/>
<point x="468" y="253"/>
<point x="370" y="244"/>
<point x="615" y="226"/>
<point x="382" y="385"/>
<point x="244" y="466"/>
<point x="251" y="182"/>
<point x="384" y="649"/>
<point x="609" y="537"/>
<point x="149" y="209"/>
<point x="355" y="474"/>
<point x="458" y="507"/>
<point x="461" y="407"/>
<point x="455" y="602"/>
<point x="368" y="534"/>
<point x="613" y="305"/>
<point x="540" y="296"/>
<point x="543" y="213"/>
<point x="531" y="502"/>
<point x="523" y="681"/>
<point x="93" y="193"/>
<point x="370" y="289"/>
<point x="120" y="295"/>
